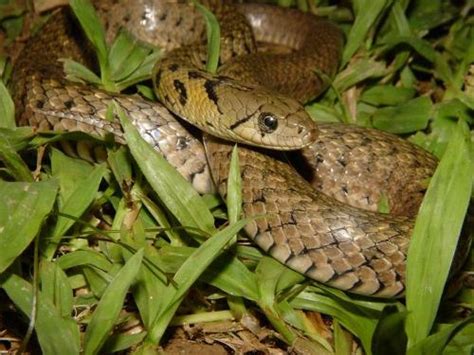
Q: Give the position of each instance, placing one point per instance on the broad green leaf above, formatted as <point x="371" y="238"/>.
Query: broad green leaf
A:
<point x="461" y="343"/>
<point x="17" y="138"/>
<point x="233" y="277"/>
<point x="404" y="118"/>
<point x="13" y="162"/>
<point x="69" y="172"/>
<point x="150" y="287"/>
<point x="436" y="343"/>
<point x="422" y="47"/>
<point x="387" y="95"/>
<point x="274" y="277"/>
<point x="389" y="336"/>
<point x="97" y="279"/>
<point x="56" y="334"/>
<point x="323" y="113"/>
<point x="79" y="73"/>
<point x="23" y="209"/>
<point x="75" y="205"/>
<point x="55" y="287"/>
<point x="120" y="342"/>
<point x="354" y="318"/>
<point x="436" y="234"/>
<point x="126" y="56"/>
<point x="108" y="309"/>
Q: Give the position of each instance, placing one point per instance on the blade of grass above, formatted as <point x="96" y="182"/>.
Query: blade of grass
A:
<point x="110" y="305"/>
<point x="228" y="274"/>
<point x="435" y="235"/>
<point x="7" y="109"/>
<point x="189" y="272"/>
<point x="234" y="188"/>
<point x="368" y="12"/>
<point x="175" y="192"/>
<point x="94" y="31"/>
<point x="213" y="38"/>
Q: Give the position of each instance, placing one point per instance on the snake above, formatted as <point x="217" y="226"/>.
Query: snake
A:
<point x="319" y="217"/>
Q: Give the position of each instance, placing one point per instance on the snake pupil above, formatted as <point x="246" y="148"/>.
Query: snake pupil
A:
<point x="268" y="122"/>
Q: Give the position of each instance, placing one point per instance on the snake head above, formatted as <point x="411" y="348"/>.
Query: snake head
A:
<point x="270" y="120"/>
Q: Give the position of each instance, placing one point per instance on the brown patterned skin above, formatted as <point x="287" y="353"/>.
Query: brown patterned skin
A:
<point x="331" y="242"/>
<point x="327" y="240"/>
<point x="361" y="166"/>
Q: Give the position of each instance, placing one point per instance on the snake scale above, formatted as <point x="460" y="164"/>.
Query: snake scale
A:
<point x="336" y="237"/>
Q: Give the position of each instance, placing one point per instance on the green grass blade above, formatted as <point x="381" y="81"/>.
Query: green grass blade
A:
<point x="23" y="209"/>
<point x="7" y="109"/>
<point x="368" y="12"/>
<point x="435" y="235"/>
<point x="125" y="56"/>
<point x="94" y="30"/>
<point x="190" y="271"/>
<point x="142" y="73"/>
<point x="84" y="257"/>
<point x="174" y="191"/>
<point x="343" y="340"/>
<point x="358" y="71"/>
<point x="234" y="188"/>
<point x="226" y="273"/>
<point x="213" y="38"/>
<point x="13" y="162"/>
<point x="110" y="305"/>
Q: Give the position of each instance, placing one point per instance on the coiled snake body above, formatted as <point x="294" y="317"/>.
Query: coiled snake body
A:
<point x="317" y="234"/>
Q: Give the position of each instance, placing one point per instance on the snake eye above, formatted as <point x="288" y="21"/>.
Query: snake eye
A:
<point x="268" y="123"/>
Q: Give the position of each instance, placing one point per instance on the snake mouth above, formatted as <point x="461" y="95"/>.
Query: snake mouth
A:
<point x="289" y="143"/>
<point x="310" y="136"/>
